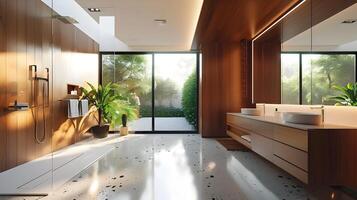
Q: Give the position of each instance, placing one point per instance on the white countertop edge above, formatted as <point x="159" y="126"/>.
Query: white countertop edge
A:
<point x="277" y="121"/>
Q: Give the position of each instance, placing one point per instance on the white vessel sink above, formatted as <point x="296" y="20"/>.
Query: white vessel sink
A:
<point x="302" y="118"/>
<point x="251" y="111"/>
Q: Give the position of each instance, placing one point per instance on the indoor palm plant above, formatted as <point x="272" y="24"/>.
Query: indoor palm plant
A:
<point x="348" y="96"/>
<point x="110" y="105"/>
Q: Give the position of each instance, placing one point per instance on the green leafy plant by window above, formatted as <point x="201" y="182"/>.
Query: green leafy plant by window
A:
<point x="161" y="111"/>
<point x="189" y="99"/>
<point x="348" y="96"/>
<point x="110" y="103"/>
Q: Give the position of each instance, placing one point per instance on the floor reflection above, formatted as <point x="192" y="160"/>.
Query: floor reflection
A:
<point x="176" y="167"/>
<point x="174" y="178"/>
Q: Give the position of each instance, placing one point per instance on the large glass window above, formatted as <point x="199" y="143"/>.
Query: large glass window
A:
<point x="318" y="73"/>
<point x="163" y="86"/>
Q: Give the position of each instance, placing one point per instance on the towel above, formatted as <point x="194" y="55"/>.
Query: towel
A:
<point x="83" y="107"/>
<point x="73" y="110"/>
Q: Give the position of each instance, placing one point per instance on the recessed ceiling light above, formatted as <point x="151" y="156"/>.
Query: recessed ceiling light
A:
<point x="160" y="21"/>
<point x="349" y="21"/>
<point x="94" y="9"/>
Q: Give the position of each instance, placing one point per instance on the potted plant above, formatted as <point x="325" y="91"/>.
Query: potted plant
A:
<point x="348" y="96"/>
<point x="110" y="105"/>
<point x="124" y="129"/>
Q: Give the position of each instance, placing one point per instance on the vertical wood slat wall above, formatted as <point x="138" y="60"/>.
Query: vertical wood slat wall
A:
<point x="221" y="88"/>
<point x="26" y="38"/>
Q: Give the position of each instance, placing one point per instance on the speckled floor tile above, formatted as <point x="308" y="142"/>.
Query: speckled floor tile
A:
<point x="182" y="167"/>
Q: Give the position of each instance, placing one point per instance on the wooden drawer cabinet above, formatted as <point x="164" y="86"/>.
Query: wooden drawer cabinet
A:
<point x="239" y="121"/>
<point x="292" y="137"/>
<point x="291" y="169"/>
<point x="284" y="146"/>
<point x="255" y="126"/>
<point x="262" y="146"/>
<point x="292" y="155"/>
<point x="263" y="129"/>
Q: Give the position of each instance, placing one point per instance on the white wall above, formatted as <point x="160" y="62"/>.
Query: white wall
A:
<point x="101" y="34"/>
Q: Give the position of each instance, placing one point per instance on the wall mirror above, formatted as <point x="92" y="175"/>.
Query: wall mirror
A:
<point x="318" y="50"/>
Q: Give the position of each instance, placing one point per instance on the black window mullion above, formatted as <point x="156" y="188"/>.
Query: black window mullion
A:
<point x="152" y="92"/>
<point x="300" y="78"/>
<point x="355" y="67"/>
<point x="198" y="64"/>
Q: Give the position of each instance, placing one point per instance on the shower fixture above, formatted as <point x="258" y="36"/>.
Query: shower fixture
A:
<point x="37" y="80"/>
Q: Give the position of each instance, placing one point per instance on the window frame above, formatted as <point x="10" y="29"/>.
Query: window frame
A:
<point x="301" y="53"/>
<point x="152" y="53"/>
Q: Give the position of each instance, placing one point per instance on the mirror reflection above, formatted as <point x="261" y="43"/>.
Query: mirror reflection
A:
<point x="318" y="52"/>
<point x="328" y="62"/>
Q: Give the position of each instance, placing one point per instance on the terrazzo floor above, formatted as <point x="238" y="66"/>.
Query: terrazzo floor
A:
<point x="170" y="167"/>
<point x="179" y="167"/>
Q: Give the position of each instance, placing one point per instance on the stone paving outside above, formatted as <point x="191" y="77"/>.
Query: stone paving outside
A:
<point x="161" y="124"/>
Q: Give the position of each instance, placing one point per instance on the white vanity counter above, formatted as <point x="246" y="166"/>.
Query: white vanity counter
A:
<point x="278" y="121"/>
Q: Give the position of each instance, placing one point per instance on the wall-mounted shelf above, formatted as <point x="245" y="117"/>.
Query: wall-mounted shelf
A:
<point x="73" y="91"/>
<point x="71" y="96"/>
<point x="18" y="107"/>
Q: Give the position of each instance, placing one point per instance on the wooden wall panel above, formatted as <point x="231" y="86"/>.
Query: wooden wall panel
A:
<point x="2" y="84"/>
<point x="11" y="83"/>
<point x="212" y="113"/>
<point x="31" y="32"/>
<point x="221" y="87"/>
<point x="26" y="39"/>
<point x="332" y="158"/>
<point x="246" y="74"/>
<point x="22" y="75"/>
<point x="267" y="73"/>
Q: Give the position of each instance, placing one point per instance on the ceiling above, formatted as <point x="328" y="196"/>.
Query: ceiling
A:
<point x="328" y="35"/>
<point x="135" y="26"/>
<point x="234" y="20"/>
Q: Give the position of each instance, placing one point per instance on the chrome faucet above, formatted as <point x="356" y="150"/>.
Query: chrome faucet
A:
<point x="322" y="108"/>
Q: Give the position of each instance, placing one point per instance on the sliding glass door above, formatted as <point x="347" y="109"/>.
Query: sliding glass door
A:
<point x="162" y="86"/>
<point x="133" y="73"/>
<point x="175" y="92"/>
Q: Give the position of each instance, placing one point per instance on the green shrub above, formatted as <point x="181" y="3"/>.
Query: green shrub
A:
<point x="161" y="111"/>
<point x="189" y="99"/>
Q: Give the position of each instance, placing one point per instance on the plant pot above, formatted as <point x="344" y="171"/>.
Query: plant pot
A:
<point x="124" y="131"/>
<point x="100" y="131"/>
